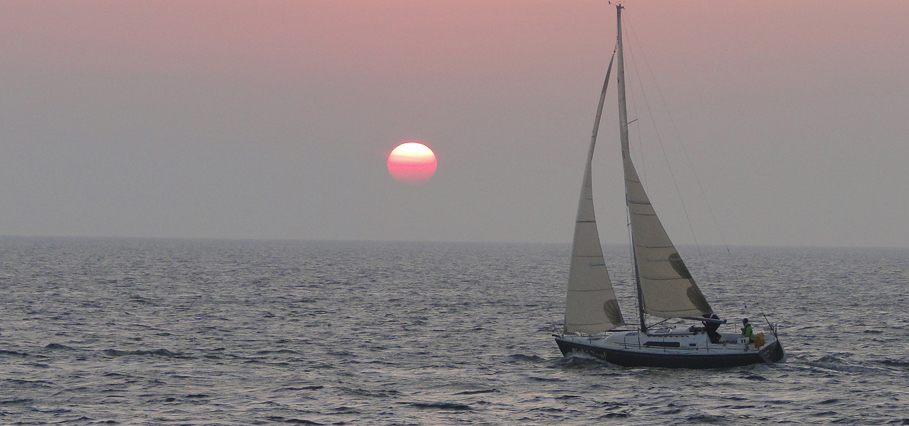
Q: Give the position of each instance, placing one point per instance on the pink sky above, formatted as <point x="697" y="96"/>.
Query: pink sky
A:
<point x="781" y="103"/>
<point x="395" y="37"/>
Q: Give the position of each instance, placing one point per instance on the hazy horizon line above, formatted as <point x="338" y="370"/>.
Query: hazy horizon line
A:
<point x="390" y="241"/>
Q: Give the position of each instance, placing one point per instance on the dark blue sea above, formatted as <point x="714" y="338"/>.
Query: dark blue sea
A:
<point x="143" y="331"/>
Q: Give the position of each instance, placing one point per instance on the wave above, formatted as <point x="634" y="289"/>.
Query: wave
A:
<point x="838" y="364"/>
<point x="30" y="383"/>
<point x="58" y="346"/>
<point x="18" y="401"/>
<point x="157" y="352"/>
<point x="441" y="405"/>
<point x="313" y="387"/>
<point x="545" y="379"/>
<point x="705" y="418"/>
<point x="755" y="377"/>
<point x="619" y="415"/>
<point x="292" y="421"/>
<point x="279" y="351"/>
<point x="372" y="393"/>
<point x="737" y="407"/>
<point x="579" y="361"/>
<point x="477" y="392"/>
<point x="522" y="357"/>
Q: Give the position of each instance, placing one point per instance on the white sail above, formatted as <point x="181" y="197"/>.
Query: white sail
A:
<point x="664" y="285"/>
<point x="591" y="305"/>
<point x="666" y="288"/>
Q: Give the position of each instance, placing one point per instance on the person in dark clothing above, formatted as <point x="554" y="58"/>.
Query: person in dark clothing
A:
<point x="711" y="326"/>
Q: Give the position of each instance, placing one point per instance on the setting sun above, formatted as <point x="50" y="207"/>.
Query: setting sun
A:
<point x="412" y="163"/>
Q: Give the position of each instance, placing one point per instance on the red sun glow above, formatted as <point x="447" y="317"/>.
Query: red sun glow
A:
<point x="412" y="163"/>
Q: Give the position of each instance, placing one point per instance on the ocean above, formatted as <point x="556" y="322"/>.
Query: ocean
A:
<point x="146" y="331"/>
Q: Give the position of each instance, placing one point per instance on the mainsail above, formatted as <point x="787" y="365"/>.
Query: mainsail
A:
<point x="591" y="305"/>
<point x="665" y="287"/>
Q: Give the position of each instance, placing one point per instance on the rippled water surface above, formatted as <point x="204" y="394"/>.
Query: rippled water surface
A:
<point x="261" y="332"/>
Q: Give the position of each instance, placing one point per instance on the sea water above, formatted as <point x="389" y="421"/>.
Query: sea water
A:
<point x="120" y="331"/>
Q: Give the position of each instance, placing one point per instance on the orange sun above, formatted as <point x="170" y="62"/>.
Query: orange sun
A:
<point x="412" y="163"/>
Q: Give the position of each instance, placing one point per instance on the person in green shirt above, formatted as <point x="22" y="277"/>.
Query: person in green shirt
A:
<point x="747" y="330"/>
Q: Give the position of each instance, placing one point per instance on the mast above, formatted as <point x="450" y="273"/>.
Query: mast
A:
<point x="620" y="69"/>
<point x="623" y="135"/>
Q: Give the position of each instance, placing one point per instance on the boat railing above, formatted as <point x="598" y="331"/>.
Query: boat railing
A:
<point x="634" y="341"/>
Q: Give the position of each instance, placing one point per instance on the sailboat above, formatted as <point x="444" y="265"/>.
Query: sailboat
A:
<point x="665" y="288"/>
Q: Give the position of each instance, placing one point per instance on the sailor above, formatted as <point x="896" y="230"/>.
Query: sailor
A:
<point x="711" y="326"/>
<point x="747" y="330"/>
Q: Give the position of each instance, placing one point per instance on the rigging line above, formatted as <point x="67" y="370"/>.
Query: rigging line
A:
<point x="697" y="244"/>
<point x="638" y="139"/>
<point x="638" y="144"/>
<point x="634" y="276"/>
<point x="658" y="137"/>
<point x="637" y="289"/>
<point x="678" y="136"/>
<point x="658" y="323"/>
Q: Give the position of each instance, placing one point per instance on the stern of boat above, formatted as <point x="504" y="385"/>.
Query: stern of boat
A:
<point x="773" y="352"/>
